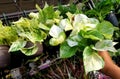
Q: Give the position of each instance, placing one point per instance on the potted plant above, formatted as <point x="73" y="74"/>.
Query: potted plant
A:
<point x="34" y="30"/>
<point x="74" y="34"/>
<point x="104" y="9"/>
<point x="86" y="35"/>
<point x="7" y="36"/>
<point x="28" y="42"/>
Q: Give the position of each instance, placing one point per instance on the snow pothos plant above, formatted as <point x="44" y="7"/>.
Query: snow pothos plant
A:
<point x="87" y="36"/>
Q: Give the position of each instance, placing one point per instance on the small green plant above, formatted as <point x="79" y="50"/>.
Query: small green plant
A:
<point x="7" y="34"/>
<point x="102" y="8"/>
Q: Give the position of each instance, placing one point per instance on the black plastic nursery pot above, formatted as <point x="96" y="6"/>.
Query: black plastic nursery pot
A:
<point x="4" y="56"/>
<point x="112" y="18"/>
<point x="39" y="51"/>
<point x="19" y="56"/>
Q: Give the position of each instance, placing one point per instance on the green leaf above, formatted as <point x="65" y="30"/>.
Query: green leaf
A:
<point x="48" y="12"/>
<point x="70" y="16"/>
<point x="62" y="37"/>
<point x="41" y="14"/>
<point x="43" y="26"/>
<point x="17" y="45"/>
<point x="56" y="41"/>
<point x="57" y="14"/>
<point x="92" y="61"/>
<point x="66" y="51"/>
<point x="94" y="35"/>
<point x="22" y="23"/>
<point x="1" y="25"/>
<point x="7" y="35"/>
<point x="50" y="22"/>
<point x="37" y="35"/>
<point x="29" y="51"/>
<point x="106" y="28"/>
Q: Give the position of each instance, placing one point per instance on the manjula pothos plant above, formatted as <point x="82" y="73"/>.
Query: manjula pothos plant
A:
<point x="34" y="29"/>
<point x="86" y="35"/>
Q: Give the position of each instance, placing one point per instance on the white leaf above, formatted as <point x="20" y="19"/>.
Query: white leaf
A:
<point x="66" y="25"/>
<point x="81" y="18"/>
<point x="55" y="31"/>
<point x="34" y="15"/>
<point x="72" y="43"/>
<point x="105" y="45"/>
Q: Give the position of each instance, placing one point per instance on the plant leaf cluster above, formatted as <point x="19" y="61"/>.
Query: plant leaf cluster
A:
<point x="85" y="34"/>
<point x="102" y="8"/>
<point x="34" y="29"/>
<point x="7" y="34"/>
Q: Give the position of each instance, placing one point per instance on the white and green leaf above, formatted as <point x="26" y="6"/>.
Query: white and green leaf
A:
<point x="65" y="24"/>
<point x="55" y="31"/>
<point x="105" y="45"/>
<point x="92" y="61"/>
<point x="17" y="45"/>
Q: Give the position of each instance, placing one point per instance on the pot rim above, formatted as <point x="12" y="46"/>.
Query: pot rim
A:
<point x="4" y="46"/>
